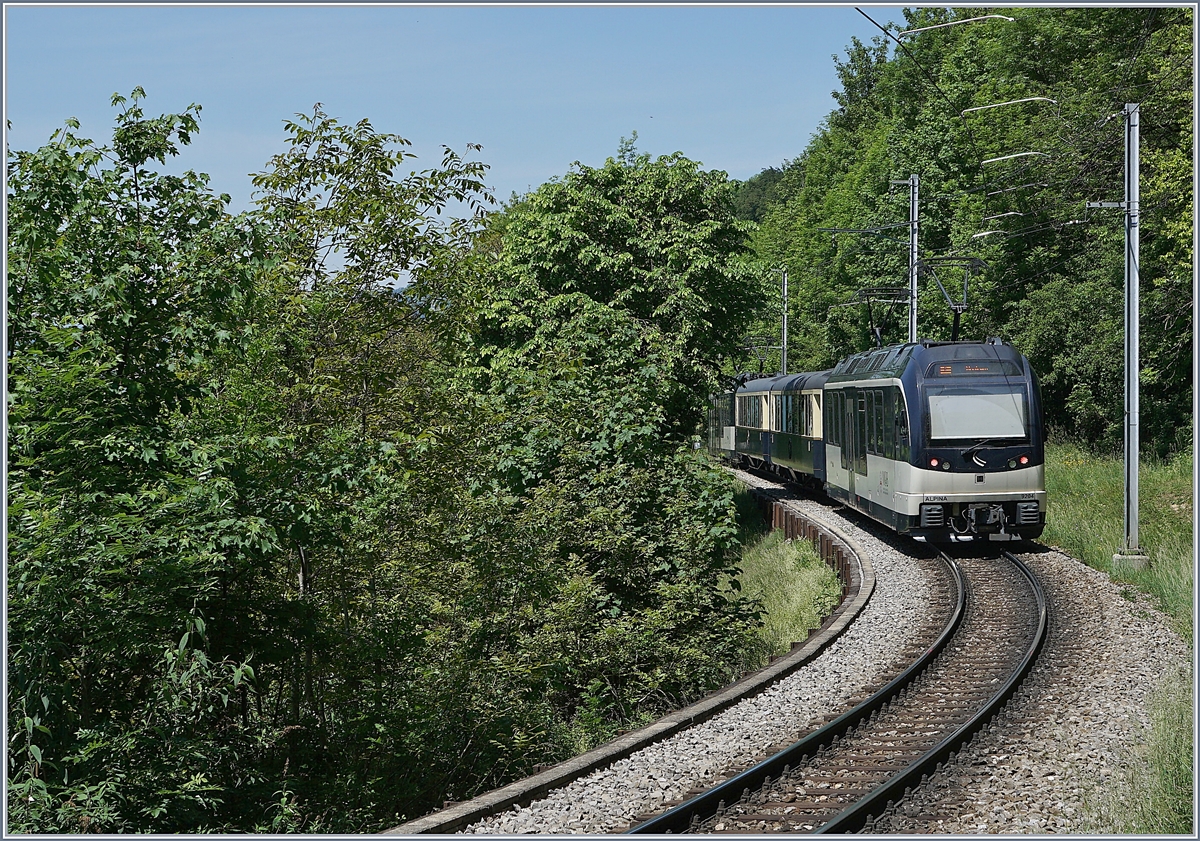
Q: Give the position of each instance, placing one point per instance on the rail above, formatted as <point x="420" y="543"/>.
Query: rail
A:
<point x="708" y="810"/>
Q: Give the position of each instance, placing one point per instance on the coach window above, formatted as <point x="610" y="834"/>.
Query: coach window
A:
<point x="846" y="429"/>
<point x="879" y="422"/>
<point x="901" y="417"/>
<point x="838" y="409"/>
<point x="889" y="426"/>
<point x="871" y="422"/>
<point x="833" y="427"/>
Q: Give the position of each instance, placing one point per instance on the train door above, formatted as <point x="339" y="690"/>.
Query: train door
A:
<point x="860" y="432"/>
<point x="849" y="436"/>
<point x="767" y="415"/>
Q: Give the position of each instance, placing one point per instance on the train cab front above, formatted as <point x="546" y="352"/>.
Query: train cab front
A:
<point x="980" y="467"/>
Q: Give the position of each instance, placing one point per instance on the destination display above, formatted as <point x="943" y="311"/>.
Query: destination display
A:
<point x="974" y="368"/>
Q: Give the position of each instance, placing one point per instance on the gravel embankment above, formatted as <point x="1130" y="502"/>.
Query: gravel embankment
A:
<point x="607" y="800"/>
<point x="1062" y="743"/>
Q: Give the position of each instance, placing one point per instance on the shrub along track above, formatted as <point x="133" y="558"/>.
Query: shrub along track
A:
<point x="851" y="770"/>
<point x="839" y="551"/>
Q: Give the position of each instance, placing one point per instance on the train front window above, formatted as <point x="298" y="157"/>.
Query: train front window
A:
<point x="962" y="412"/>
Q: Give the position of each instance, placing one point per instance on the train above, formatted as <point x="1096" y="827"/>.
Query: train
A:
<point x="940" y="441"/>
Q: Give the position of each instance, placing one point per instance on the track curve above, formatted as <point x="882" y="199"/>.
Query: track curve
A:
<point x="851" y="770"/>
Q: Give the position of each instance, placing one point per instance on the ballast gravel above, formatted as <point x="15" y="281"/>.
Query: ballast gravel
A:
<point x="1058" y="748"/>
<point x="608" y="800"/>
<point x="1059" y="751"/>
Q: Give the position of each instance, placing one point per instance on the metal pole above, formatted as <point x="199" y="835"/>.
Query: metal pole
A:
<point x="914" y="186"/>
<point x="1132" y="288"/>
<point x="783" y="358"/>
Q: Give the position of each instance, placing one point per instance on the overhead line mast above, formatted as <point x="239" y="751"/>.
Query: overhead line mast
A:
<point x="1130" y="553"/>
<point x="914" y="192"/>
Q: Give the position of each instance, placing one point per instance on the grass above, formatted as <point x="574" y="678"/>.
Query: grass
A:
<point x="1154" y="797"/>
<point x="795" y="587"/>
<point x="1086" y="519"/>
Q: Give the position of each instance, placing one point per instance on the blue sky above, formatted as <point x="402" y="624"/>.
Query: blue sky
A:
<point x="738" y="88"/>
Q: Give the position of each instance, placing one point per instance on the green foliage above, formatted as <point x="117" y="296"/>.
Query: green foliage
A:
<point x="1086" y="519"/>
<point x="757" y="194"/>
<point x="655" y="240"/>
<point x="611" y="297"/>
<point x="313" y="523"/>
<point x="1053" y="284"/>
<point x="124" y="284"/>
<point x="794" y="586"/>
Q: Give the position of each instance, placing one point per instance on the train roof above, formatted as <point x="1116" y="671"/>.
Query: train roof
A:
<point x="885" y="363"/>
<point x="787" y="382"/>
<point x="890" y="362"/>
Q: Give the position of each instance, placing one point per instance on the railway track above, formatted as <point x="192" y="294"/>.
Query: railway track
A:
<point x="842" y="776"/>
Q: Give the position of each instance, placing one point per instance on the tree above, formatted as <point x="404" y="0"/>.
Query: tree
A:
<point x="656" y="239"/>
<point x="125" y="285"/>
<point x="611" y="299"/>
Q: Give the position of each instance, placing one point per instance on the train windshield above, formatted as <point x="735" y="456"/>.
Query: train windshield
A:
<point x="979" y="411"/>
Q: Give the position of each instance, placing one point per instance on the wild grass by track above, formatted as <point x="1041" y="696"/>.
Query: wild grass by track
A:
<point x="795" y="587"/>
<point x="1086" y="519"/>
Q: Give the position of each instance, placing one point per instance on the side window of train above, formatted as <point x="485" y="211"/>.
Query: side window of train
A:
<point x="902" y="451"/>
<point x="829" y="426"/>
<point x="870" y="422"/>
<point x="889" y="426"/>
<point x="837" y="407"/>
<point x="831" y="423"/>
<point x="879" y="422"/>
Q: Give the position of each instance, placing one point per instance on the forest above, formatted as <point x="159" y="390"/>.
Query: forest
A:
<point x="1007" y="185"/>
<point x="323" y="513"/>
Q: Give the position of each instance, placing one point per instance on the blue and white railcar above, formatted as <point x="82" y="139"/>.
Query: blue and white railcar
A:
<point x="939" y="440"/>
